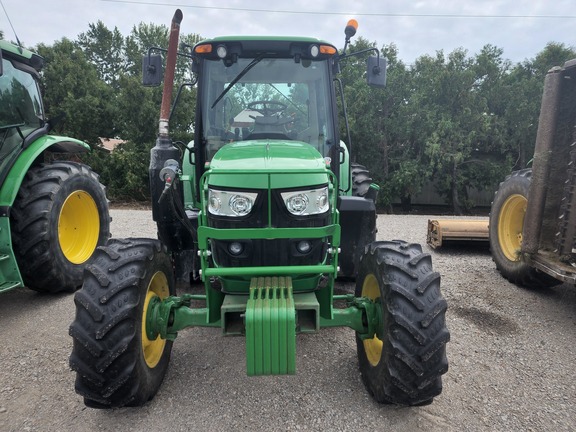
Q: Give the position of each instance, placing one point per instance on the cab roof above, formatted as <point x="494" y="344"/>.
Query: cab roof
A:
<point x="21" y="54"/>
<point x="270" y="46"/>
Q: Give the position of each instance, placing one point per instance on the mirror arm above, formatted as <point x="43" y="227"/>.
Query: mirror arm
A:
<point x="179" y="53"/>
<point x="362" y="52"/>
<point x="376" y="69"/>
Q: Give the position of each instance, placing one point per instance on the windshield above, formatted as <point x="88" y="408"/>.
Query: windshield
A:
<point x="266" y="98"/>
<point x="20" y="107"/>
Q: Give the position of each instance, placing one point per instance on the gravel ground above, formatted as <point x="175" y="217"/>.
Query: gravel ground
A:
<point x="511" y="358"/>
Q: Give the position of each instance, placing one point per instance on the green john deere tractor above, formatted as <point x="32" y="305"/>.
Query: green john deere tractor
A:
<point x="265" y="207"/>
<point x="53" y="215"/>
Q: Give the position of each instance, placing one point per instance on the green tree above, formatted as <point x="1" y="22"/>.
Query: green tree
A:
<point x="145" y="36"/>
<point x="142" y="37"/>
<point x="104" y="49"/>
<point x="521" y="93"/>
<point x="455" y="114"/>
<point x="408" y="167"/>
<point x="463" y="121"/>
<point x="379" y="136"/>
<point x="72" y="89"/>
<point x="553" y="54"/>
<point x="137" y="108"/>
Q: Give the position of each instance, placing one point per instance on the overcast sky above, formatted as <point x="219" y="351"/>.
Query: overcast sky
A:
<point x="520" y="28"/>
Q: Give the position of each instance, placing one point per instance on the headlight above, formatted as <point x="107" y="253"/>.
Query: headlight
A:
<point x="307" y="202"/>
<point x="228" y="203"/>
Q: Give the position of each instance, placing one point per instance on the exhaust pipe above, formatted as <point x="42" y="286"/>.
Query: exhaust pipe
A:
<point x="164" y="150"/>
<point x="169" y="73"/>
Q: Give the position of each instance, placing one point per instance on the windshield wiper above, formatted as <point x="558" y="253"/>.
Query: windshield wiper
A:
<point x="238" y="78"/>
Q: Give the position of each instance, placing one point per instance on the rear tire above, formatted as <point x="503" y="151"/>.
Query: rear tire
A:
<point x="361" y="179"/>
<point x="116" y="364"/>
<point x="505" y="232"/>
<point x="404" y="362"/>
<point x="59" y="217"/>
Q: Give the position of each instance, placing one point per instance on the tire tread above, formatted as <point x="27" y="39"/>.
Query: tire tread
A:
<point x="34" y="214"/>
<point x="107" y="353"/>
<point x="414" y="354"/>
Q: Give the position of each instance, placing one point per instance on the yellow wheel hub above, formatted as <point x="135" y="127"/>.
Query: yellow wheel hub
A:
<point x="153" y="349"/>
<point x="78" y="227"/>
<point x="510" y="224"/>
<point x="373" y="347"/>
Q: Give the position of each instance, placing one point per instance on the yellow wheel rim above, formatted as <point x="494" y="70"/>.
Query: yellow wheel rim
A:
<point x="510" y="223"/>
<point x="153" y="349"/>
<point x="373" y="347"/>
<point x="78" y="227"/>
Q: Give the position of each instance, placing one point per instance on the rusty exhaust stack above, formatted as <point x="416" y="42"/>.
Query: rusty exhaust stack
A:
<point x="164" y="150"/>
<point x="169" y="73"/>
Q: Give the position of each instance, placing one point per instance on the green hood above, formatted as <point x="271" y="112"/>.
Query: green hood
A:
<point x="247" y="164"/>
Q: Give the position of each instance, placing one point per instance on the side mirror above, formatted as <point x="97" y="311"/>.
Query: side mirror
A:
<point x="191" y="156"/>
<point x="376" y="72"/>
<point x="152" y="71"/>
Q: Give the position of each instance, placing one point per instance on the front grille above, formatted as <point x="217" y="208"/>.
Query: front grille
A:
<point x="276" y="252"/>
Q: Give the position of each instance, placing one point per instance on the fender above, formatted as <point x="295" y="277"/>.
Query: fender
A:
<point x="26" y="158"/>
<point x="344" y="163"/>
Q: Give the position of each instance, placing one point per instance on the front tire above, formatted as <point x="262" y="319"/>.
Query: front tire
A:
<point x="405" y="360"/>
<point x="505" y="232"/>
<point x="116" y="364"/>
<point x="59" y="217"/>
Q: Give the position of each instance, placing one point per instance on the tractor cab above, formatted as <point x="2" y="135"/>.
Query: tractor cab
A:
<point x="263" y="89"/>
<point x="257" y="91"/>
<point x="21" y="109"/>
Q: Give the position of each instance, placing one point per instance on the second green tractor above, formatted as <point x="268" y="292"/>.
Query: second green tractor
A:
<point x="53" y="213"/>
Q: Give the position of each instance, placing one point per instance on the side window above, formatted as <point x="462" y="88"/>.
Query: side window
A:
<point x="19" y="99"/>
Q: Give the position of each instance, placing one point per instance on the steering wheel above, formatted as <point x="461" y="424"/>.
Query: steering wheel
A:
<point x="267" y="108"/>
